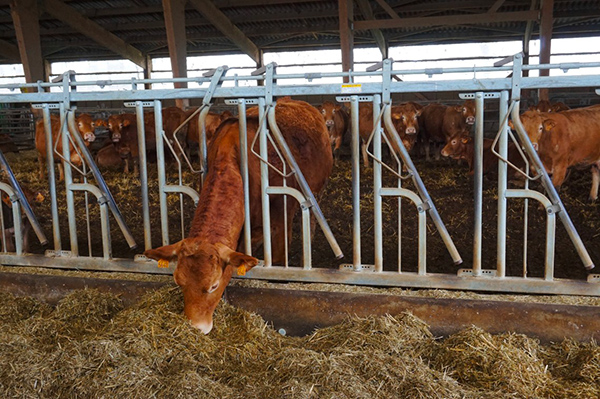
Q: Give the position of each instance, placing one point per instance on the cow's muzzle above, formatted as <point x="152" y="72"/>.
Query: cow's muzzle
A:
<point x="89" y="137"/>
<point x="411" y="130"/>
<point x="470" y="120"/>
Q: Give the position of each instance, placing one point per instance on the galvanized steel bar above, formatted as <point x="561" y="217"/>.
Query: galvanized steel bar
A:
<point x="264" y="183"/>
<point x="51" y="177"/>
<point x="243" y="138"/>
<point x="433" y="213"/>
<point x="17" y="225"/>
<point x="502" y="186"/>
<point x="202" y="148"/>
<point x="162" y="178"/>
<point x="478" y="184"/>
<point x="141" y="136"/>
<point x="87" y="157"/>
<point x="104" y="221"/>
<point x="377" y="185"/>
<point x="356" y="245"/>
<point x="69" y="179"/>
<point x="289" y="157"/>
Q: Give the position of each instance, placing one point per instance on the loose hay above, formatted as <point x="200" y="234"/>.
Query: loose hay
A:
<point x="90" y="346"/>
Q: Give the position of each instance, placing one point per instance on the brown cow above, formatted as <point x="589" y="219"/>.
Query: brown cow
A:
<point x="109" y="157"/>
<point x="207" y="259"/>
<point x="126" y="140"/>
<point x="546" y="106"/>
<point x="439" y="123"/>
<point x="463" y="147"/>
<point x="212" y="122"/>
<point x="565" y="139"/>
<point x="85" y="126"/>
<point x="337" y="121"/>
<point x="405" y="120"/>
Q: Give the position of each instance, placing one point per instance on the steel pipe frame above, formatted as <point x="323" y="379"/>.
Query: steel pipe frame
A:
<point x="324" y="89"/>
<point x="356" y="245"/>
<point x="141" y="133"/>
<point x="51" y="178"/>
<point x="104" y="221"/>
<point x="17" y="226"/>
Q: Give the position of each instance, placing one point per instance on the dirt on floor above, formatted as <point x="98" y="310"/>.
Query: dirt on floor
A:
<point x="450" y="187"/>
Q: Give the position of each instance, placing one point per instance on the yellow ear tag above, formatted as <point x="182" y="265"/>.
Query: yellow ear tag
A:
<point x="163" y="263"/>
<point x="241" y="270"/>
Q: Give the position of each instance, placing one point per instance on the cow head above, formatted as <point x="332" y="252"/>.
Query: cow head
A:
<point x="405" y="118"/>
<point x="535" y="124"/>
<point x="456" y="146"/>
<point x="86" y="126"/>
<point x="203" y="271"/>
<point x="114" y="127"/>
<point x="328" y="109"/>
<point x="468" y="111"/>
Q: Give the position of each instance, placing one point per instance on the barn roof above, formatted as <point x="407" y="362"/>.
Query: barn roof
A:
<point x="275" y="25"/>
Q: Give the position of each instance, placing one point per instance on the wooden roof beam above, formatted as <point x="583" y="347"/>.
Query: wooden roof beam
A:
<point x="496" y="6"/>
<point x="174" y="12"/>
<point x="9" y="51"/>
<point x="367" y="12"/>
<point x="388" y="9"/>
<point x="346" y="35"/>
<point x="223" y="24"/>
<point x="446" y="20"/>
<point x="91" y="29"/>
<point x="27" y="28"/>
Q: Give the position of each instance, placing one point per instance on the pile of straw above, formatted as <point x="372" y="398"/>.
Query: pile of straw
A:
<point x="89" y="345"/>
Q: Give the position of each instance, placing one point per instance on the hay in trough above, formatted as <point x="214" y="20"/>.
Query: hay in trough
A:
<point x="89" y="346"/>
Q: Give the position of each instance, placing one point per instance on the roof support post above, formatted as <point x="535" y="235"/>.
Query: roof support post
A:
<point x="27" y="27"/>
<point x="545" y="39"/>
<point x="91" y="29"/>
<point x="346" y="16"/>
<point x="174" y="12"/>
<point x="148" y="72"/>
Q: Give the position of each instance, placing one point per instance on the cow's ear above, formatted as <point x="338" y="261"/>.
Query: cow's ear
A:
<point x="419" y="112"/>
<point x="458" y="108"/>
<point x="126" y="122"/>
<point x="510" y="125"/>
<point x="549" y="124"/>
<point x="239" y="261"/>
<point x="396" y="116"/>
<point x="465" y="140"/>
<point x="167" y="252"/>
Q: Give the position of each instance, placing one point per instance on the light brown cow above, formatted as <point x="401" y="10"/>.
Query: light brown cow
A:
<point x="405" y="120"/>
<point x="463" y="147"/>
<point x="565" y="139"/>
<point x="212" y="122"/>
<point x="126" y="140"/>
<point x="546" y="106"/>
<point x="207" y="259"/>
<point x="337" y="121"/>
<point x="439" y="123"/>
<point x="85" y="125"/>
<point x="108" y="157"/>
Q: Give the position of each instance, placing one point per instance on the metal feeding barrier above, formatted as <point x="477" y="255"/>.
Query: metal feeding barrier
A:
<point x="378" y="88"/>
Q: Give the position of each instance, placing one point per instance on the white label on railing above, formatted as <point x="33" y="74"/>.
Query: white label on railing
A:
<point x="350" y="88"/>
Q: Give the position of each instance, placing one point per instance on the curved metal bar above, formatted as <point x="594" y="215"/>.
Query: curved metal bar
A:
<point x="104" y="221"/>
<point x="422" y="190"/>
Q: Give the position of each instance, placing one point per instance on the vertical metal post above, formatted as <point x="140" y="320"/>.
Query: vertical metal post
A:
<point x="244" y="171"/>
<point x="202" y="148"/>
<point x="264" y="183"/>
<point x="51" y="177"/>
<point x="141" y="132"/>
<point x="162" y="178"/>
<point x="502" y="185"/>
<point x="104" y="225"/>
<point x="377" y="184"/>
<point x="18" y="227"/>
<point x="356" y="246"/>
<point x="478" y="183"/>
<point x="68" y="182"/>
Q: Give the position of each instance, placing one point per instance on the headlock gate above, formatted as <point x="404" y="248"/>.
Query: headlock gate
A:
<point x="377" y="88"/>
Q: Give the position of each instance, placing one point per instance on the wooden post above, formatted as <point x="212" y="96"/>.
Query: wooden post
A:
<point x="174" y="12"/>
<point x="346" y="16"/>
<point x="27" y="28"/>
<point x="545" y="40"/>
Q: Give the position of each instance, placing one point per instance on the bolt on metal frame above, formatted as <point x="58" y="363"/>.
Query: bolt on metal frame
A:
<point x="381" y="92"/>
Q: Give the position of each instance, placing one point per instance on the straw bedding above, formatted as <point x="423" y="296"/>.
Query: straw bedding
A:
<point x="89" y="345"/>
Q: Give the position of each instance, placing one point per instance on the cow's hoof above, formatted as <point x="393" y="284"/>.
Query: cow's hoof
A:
<point x="591" y="199"/>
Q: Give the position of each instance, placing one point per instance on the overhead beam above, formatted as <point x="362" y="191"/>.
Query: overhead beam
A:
<point x="388" y="9"/>
<point x="346" y="17"/>
<point x="91" y="29"/>
<point x="367" y="12"/>
<point x="9" y="51"/>
<point x="446" y="20"/>
<point x="223" y="24"/>
<point x="496" y="6"/>
<point x="546" y="22"/>
<point x="174" y="12"/>
<point x="27" y="28"/>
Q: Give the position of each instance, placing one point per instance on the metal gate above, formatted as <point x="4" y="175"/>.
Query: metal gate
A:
<point x="378" y="90"/>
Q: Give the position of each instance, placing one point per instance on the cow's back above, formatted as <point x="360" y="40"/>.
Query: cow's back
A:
<point x="576" y="135"/>
<point x="431" y="122"/>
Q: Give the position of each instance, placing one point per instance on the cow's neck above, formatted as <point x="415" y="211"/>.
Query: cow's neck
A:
<point x="219" y="216"/>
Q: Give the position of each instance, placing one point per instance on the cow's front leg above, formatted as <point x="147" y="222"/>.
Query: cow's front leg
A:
<point x="595" y="181"/>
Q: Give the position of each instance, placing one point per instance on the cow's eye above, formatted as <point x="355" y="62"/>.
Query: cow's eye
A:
<point x="80" y="124"/>
<point x="323" y="112"/>
<point x="541" y="128"/>
<point x="213" y="287"/>
<point x="453" y="142"/>
<point x="464" y="110"/>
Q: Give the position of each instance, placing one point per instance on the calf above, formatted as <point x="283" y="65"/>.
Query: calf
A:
<point x="207" y="258"/>
<point x="438" y="123"/>
<point x="462" y="146"/>
<point x="404" y="118"/>
<point x="565" y="139"/>
<point x="8" y="236"/>
<point x="127" y="144"/>
<point x="109" y="157"/>
<point x="85" y="125"/>
<point x="337" y="121"/>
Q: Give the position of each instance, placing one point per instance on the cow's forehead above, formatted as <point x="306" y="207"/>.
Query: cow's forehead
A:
<point x="85" y="118"/>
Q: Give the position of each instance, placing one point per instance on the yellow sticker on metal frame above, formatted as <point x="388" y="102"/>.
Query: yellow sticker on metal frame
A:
<point x="163" y="263"/>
